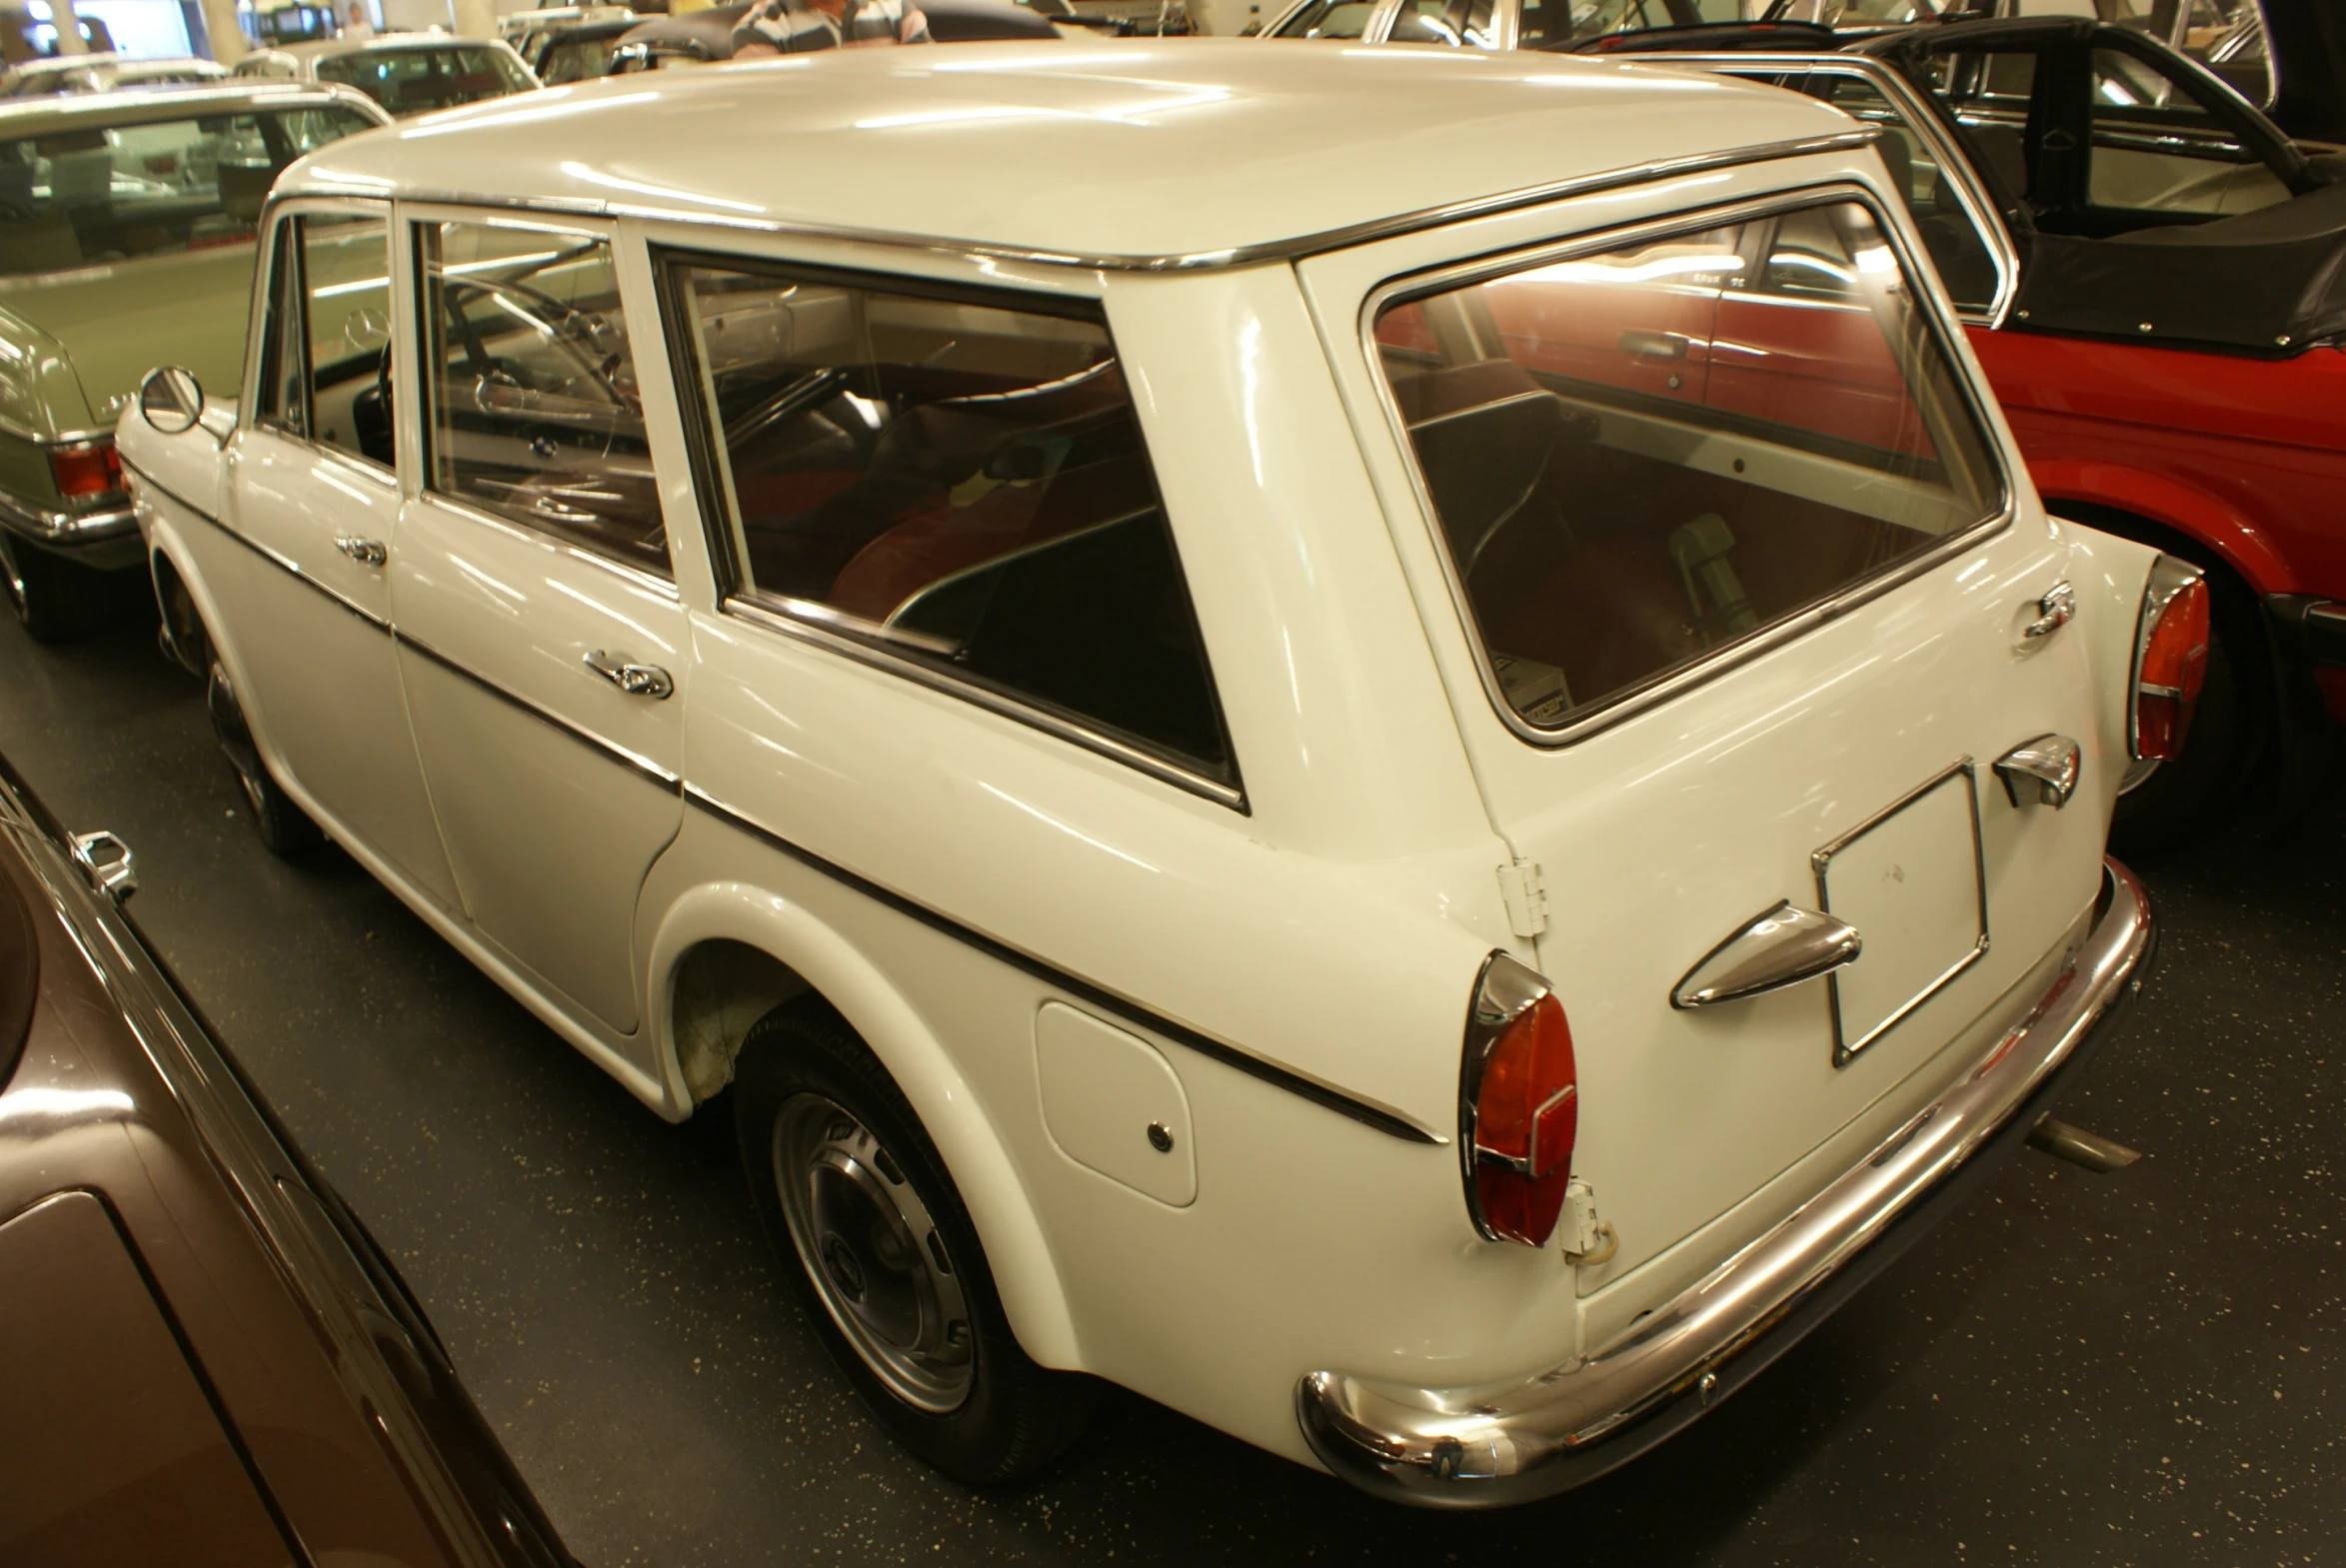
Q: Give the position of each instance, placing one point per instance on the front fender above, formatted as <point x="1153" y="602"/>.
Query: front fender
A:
<point x="1024" y="1269"/>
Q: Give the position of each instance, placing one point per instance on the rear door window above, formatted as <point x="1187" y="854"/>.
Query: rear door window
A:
<point x="958" y="482"/>
<point x="1329" y="19"/>
<point x="1641" y="456"/>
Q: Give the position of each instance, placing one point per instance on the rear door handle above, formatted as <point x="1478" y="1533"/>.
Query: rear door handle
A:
<point x="634" y="680"/>
<point x="106" y="863"/>
<point x="365" y="552"/>
<point x="1775" y="949"/>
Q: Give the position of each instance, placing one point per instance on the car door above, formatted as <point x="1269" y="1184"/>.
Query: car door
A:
<point x="541" y="644"/>
<point x="1721" y="661"/>
<point x="314" y="489"/>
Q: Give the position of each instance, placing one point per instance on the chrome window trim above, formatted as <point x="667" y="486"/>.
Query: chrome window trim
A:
<point x="818" y="626"/>
<point x="1661" y="688"/>
<point x="521" y="531"/>
<point x="1287" y="250"/>
<point x="1820" y="861"/>
<point x="1970" y="195"/>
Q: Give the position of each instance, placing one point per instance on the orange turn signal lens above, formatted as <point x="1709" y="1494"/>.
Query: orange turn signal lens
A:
<point x="2172" y="665"/>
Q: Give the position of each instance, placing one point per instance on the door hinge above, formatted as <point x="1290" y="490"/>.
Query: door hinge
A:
<point x="1584" y="1238"/>
<point x="1524" y="892"/>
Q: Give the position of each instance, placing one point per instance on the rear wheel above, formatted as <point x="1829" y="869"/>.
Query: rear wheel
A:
<point x="284" y="828"/>
<point x="869" y="1227"/>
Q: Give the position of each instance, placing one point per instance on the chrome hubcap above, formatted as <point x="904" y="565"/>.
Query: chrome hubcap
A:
<point x="235" y="738"/>
<point x="876" y="1259"/>
<point x="12" y="581"/>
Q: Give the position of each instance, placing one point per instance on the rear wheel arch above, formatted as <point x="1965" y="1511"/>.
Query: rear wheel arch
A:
<point x="2159" y="511"/>
<point x="725" y="955"/>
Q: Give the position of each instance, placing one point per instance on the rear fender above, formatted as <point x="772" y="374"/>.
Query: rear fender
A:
<point x="1024" y="1270"/>
<point x="2239" y="540"/>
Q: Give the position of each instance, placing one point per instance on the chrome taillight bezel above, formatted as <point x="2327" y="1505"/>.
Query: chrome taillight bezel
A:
<point x="1504" y="990"/>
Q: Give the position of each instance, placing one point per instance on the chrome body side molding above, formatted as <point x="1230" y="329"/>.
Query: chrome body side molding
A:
<point x="1080" y="990"/>
<point x="1563" y="1425"/>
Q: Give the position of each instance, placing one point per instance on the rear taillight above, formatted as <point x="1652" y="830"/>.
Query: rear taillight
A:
<point x="2170" y="659"/>
<point x="1519" y="1104"/>
<point x="86" y="470"/>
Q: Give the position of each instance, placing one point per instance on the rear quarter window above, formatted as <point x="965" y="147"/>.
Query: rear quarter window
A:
<point x="1641" y="456"/>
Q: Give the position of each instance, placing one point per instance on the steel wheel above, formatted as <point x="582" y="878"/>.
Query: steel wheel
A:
<point x="876" y="1259"/>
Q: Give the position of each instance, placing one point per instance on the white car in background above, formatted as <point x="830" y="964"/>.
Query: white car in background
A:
<point x="407" y="73"/>
<point x="1414" y="804"/>
<point x="104" y="73"/>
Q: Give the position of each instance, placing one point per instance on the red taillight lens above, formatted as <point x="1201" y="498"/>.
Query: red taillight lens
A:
<point x="1520" y="1105"/>
<point x="2171" y="662"/>
<point x="86" y="470"/>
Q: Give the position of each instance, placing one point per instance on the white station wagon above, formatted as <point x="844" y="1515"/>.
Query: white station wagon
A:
<point x="1414" y="802"/>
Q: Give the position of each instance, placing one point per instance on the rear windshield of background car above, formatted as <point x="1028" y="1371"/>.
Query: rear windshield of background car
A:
<point x="116" y="192"/>
<point x="1644" y="455"/>
<point x="410" y="81"/>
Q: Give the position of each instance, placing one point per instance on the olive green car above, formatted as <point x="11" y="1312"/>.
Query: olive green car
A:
<point x="128" y="223"/>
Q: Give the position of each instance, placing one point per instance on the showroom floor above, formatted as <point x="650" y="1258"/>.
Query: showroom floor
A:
<point x="2141" y="1369"/>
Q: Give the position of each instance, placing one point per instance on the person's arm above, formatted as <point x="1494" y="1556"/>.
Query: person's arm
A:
<point x="913" y="26"/>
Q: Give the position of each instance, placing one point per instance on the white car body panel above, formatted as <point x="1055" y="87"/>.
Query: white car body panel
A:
<point x="1297" y="951"/>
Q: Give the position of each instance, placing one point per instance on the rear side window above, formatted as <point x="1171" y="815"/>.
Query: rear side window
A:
<point x="1329" y="19"/>
<point x="959" y="483"/>
<point x="1642" y="457"/>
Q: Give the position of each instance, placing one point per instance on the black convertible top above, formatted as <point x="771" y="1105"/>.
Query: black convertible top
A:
<point x="2269" y="281"/>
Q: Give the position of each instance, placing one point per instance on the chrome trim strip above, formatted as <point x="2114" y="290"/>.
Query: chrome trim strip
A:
<point x="1538" y="1435"/>
<point x="808" y="629"/>
<point x="1657" y="689"/>
<point x="1821" y="862"/>
<point x="1082" y="989"/>
<point x="643" y="766"/>
<point x="1286" y="249"/>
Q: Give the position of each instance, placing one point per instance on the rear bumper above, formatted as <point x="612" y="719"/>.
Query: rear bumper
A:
<point x="1470" y="1448"/>
<point x="75" y="533"/>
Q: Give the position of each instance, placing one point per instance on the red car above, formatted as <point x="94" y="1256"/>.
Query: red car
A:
<point x="2155" y="280"/>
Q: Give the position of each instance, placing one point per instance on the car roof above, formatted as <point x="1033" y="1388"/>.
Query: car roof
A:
<point x="227" y="94"/>
<point x="1199" y="147"/>
<point x="320" y="48"/>
<point x="123" y="64"/>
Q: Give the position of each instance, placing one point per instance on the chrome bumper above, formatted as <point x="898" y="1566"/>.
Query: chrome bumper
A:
<point x="65" y="530"/>
<point x="1484" y="1447"/>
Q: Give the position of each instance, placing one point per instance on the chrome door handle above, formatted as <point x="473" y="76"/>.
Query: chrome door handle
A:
<point x="2053" y="612"/>
<point x="365" y="552"/>
<point x="2043" y="770"/>
<point x="107" y="863"/>
<point x="1775" y="949"/>
<point x="634" y="680"/>
<point x="1654" y="344"/>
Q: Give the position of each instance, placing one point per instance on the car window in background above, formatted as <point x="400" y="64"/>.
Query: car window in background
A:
<point x="1329" y="19"/>
<point x="535" y="413"/>
<point x="2158" y="148"/>
<point x="1957" y="248"/>
<point x="118" y="193"/>
<point x="410" y="81"/>
<point x="1452" y="23"/>
<point x="574" y="60"/>
<point x="960" y="483"/>
<point x="1640" y="455"/>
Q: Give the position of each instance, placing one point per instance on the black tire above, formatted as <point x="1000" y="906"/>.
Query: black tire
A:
<point x="995" y="1417"/>
<point x="283" y="827"/>
<point x="54" y="600"/>
<point x="2191" y="794"/>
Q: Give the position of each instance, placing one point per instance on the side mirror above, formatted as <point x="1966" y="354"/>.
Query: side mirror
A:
<point x="171" y="400"/>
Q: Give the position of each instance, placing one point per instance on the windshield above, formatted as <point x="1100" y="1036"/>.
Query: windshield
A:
<point x="410" y="81"/>
<point x="115" y="193"/>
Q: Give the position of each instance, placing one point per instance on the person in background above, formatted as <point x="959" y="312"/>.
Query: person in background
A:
<point x="356" y="25"/>
<point x="773" y="27"/>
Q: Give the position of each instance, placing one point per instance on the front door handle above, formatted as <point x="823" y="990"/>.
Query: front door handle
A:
<point x="365" y="552"/>
<point x="106" y="863"/>
<point x="634" y="680"/>
<point x="1779" y="947"/>
<point x="1654" y="344"/>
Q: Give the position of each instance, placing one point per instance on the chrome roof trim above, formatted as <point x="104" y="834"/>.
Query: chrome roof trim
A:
<point x="1287" y="250"/>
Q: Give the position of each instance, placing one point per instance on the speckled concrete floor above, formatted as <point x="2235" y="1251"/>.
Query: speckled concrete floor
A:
<point x="2144" y="1368"/>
